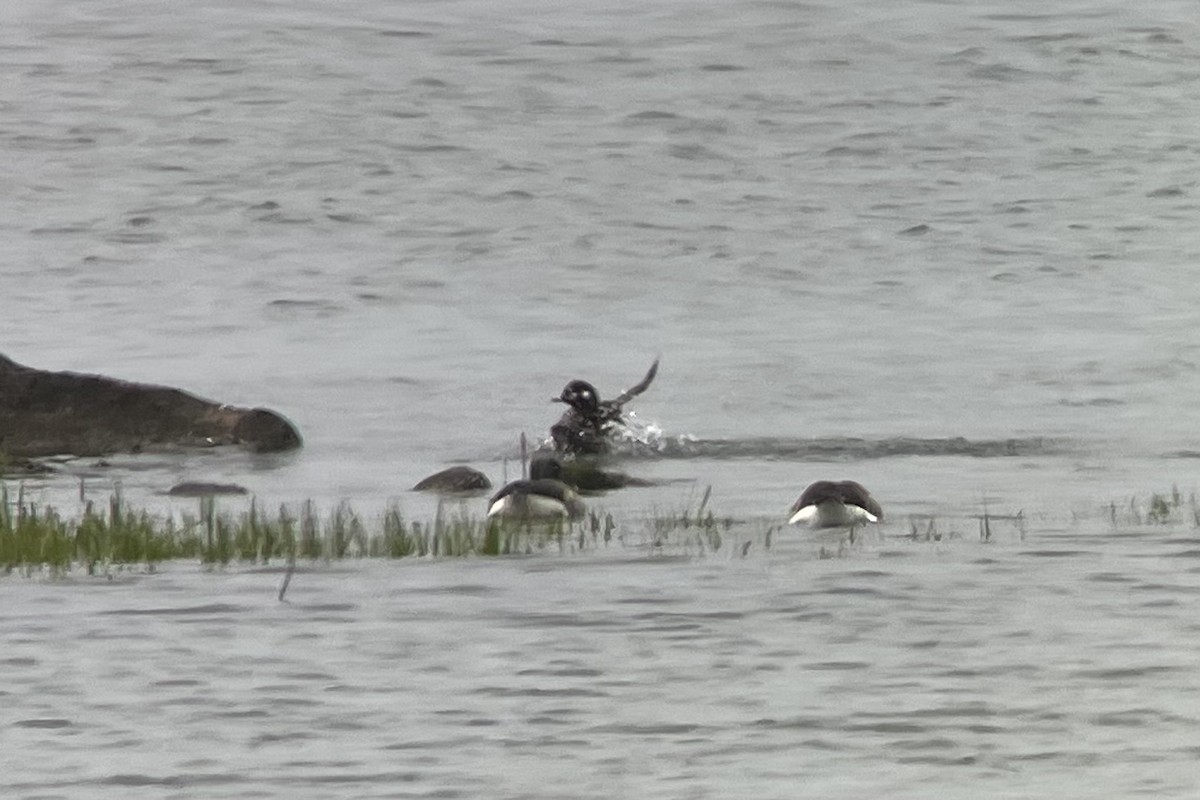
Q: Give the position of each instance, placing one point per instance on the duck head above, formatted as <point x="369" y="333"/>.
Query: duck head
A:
<point x="581" y="396"/>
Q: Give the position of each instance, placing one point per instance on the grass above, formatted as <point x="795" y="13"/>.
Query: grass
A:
<point x="1170" y="508"/>
<point x="31" y="537"/>
<point x="114" y="537"/>
<point x="108" y="537"/>
<point x="706" y="526"/>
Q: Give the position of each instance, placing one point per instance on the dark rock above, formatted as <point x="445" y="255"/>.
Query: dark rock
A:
<point x="204" y="489"/>
<point x="23" y="467"/>
<point x="265" y="430"/>
<point x="48" y="413"/>
<point x="455" y="480"/>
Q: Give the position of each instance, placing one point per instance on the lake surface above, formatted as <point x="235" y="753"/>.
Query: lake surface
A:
<point x="1062" y="666"/>
<point x="946" y="249"/>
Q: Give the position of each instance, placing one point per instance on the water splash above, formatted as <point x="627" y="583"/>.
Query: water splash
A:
<point x="641" y="439"/>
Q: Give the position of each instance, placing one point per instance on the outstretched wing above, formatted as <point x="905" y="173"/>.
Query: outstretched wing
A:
<point x="633" y="391"/>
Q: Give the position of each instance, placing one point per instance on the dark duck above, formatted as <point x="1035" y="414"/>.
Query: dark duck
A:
<point x="588" y="424"/>
<point x="583" y="475"/>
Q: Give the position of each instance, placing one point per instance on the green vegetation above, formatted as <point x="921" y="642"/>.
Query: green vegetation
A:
<point x="1160" y="509"/>
<point x="115" y="537"/>
<point x="707" y="528"/>
<point x="111" y="536"/>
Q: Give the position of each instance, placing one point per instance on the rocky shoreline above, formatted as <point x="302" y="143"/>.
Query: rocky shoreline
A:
<point x="46" y="413"/>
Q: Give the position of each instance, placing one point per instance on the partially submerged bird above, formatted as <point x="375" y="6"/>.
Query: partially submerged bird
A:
<point x="587" y="424"/>
<point x="537" y="500"/>
<point x="584" y="475"/>
<point x="832" y="504"/>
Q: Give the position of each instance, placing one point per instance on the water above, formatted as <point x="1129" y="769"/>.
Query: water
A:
<point x="1061" y="666"/>
<point x="944" y="249"/>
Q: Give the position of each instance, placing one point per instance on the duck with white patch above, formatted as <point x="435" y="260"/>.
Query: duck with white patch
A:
<point x="536" y="500"/>
<point x="835" y="504"/>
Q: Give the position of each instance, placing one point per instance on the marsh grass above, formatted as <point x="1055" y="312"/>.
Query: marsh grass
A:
<point x="991" y="527"/>
<point x="990" y="524"/>
<point x="32" y="538"/>
<point x="924" y="529"/>
<point x="109" y="537"/>
<point x="1168" y="508"/>
<point x="698" y="528"/>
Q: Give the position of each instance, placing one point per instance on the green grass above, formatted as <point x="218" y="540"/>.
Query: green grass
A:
<point x="108" y="537"/>
<point x="30" y="537"/>
<point x="699" y="527"/>
<point x="1169" y="508"/>
<point x="114" y="536"/>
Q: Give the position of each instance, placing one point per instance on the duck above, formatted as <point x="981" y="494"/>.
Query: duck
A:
<point x="583" y="475"/>
<point x="587" y="424"/>
<point x="833" y="504"/>
<point x="536" y="500"/>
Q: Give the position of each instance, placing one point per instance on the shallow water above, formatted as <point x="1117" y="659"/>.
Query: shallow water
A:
<point x="945" y="250"/>
<point x="1063" y="664"/>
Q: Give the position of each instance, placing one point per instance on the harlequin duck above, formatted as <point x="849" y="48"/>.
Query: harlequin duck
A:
<point x="585" y="428"/>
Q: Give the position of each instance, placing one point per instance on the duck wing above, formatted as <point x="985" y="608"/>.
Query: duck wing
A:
<point x="639" y="387"/>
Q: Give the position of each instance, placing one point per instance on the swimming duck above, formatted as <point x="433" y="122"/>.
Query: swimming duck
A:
<point x="831" y="504"/>
<point x="536" y="500"/>
<point x="585" y="426"/>
<point x="583" y="475"/>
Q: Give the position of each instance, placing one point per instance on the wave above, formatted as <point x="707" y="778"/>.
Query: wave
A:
<point x="639" y="440"/>
<point x="834" y="448"/>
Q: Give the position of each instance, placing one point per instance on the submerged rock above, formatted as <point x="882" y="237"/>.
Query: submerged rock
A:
<point x="204" y="489"/>
<point x="455" y="480"/>
<point x="22" y="467"/>
<point x="50" y="413"/>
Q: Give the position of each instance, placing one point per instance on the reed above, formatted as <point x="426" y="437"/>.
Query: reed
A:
<point x="42" y="537"/>
<point x="701" y="524"/>
<point x="113" y="536"/>
<point x="1159" y="509"/>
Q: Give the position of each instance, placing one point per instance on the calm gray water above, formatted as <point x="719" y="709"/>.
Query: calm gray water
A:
<point x="1065" y="667"/>
<point x="944" y="248"/>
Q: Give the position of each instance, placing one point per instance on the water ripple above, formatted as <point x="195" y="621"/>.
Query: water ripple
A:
<point x="184" y="611"/>
<point x="842" y="448"/>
